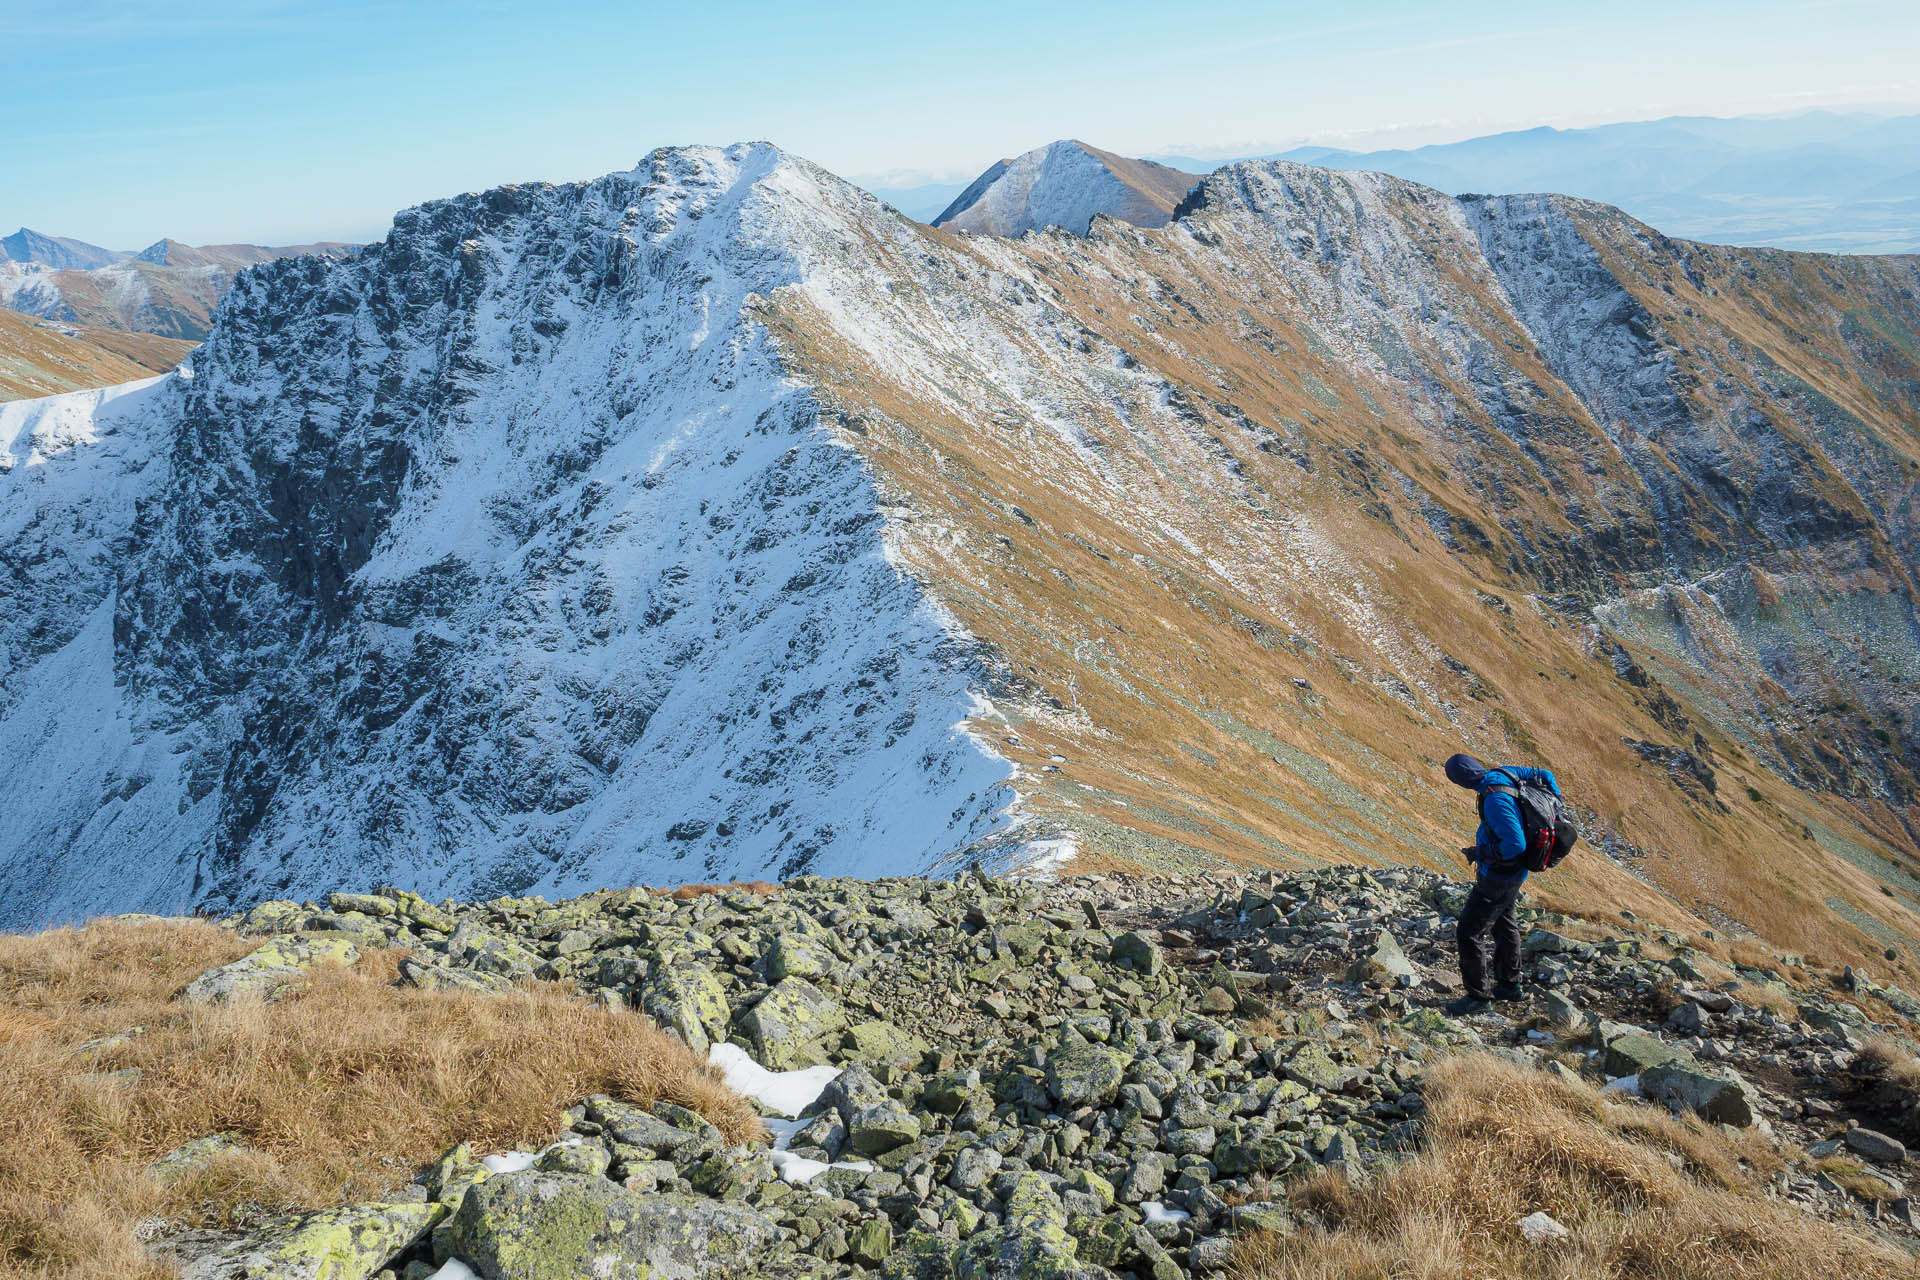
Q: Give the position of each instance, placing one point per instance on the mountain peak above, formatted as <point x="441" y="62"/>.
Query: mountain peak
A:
<point x="28" y="245"/>
<point x="1066" y="184"/>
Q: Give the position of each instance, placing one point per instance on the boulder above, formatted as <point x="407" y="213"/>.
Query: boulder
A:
<point x="1566" y="1015"/>
<point x="557" y="1226"/>
<point x="1384" y="962"/>
<point x="1138" y="952"/>
<point x="882" y="1042"/>
<point x="788" y="1023"/>
<point x="1313" y="1067"/>
<point x="349" y="1243"/>
<point x="482" y="950"/>
<point x="1634" y="1052"/>
<point x="369" y="904"/>
<point x="1033" y="1245"/>
<point x="1688" y="1019"/>
<point x="795" y="957"/>
<point x="1080" y="1074"/>
<point x="1720" y="1100"/>
<point x="273" y="963"/>
<point x="1876" y="1146"/>
<point x="688" y="1000"/>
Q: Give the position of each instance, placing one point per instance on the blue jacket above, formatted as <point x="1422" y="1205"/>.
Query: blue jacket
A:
<point x="1500" y="840"/>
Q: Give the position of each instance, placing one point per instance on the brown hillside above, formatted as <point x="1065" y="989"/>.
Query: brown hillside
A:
<point x="43" y="358"/>
<point x="1270" y="510"/>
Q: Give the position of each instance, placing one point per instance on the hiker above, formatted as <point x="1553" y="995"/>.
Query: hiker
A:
<point x="1499" y="853"/>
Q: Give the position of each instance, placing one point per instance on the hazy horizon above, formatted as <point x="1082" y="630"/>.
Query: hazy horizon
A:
<point x="291" y="121"/>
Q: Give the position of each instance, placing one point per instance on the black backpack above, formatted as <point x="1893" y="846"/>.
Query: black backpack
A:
<point x="1543" y="816"/>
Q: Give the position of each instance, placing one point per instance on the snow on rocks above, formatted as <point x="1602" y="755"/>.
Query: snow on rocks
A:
<point x="589" y="496"/>
<point x="787" y="1092"/>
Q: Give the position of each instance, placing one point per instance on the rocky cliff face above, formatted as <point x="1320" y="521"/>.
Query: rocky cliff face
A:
<point x="668" y="525"/>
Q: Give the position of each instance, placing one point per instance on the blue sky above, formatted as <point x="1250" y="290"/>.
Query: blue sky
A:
<point x="289" y="121"/>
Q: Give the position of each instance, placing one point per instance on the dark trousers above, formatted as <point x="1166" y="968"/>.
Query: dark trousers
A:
<point x="1489" y="910"/>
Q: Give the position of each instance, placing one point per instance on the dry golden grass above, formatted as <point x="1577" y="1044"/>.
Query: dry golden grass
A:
<point x="338" y="1091"/>
<point x="688" y="892"/>
<point x="1646" y="1197"/>
<point x="1887" y="1060"/>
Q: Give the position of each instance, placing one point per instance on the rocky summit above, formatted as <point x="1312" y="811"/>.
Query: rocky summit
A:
<point x="1112" y="1075"/>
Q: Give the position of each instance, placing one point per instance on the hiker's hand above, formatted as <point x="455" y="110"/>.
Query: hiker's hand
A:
<point x="1471" y="853"/>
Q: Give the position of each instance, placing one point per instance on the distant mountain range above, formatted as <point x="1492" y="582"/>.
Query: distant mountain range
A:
<point x="1824" y="180"/>
<point x="1844" y="182"/>
<point x="168" y="288"/>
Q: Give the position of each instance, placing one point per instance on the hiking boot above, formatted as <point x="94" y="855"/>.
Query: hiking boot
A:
<point x="1509" y="991"/>
<point x="1468" y="1004"/>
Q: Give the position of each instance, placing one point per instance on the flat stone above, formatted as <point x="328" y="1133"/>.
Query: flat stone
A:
<point x="1876" y="1146"/>
<point x="272" y="964"/>
<point x="788" y="1023"/>
<point x="1085" y="1075"/>
<point x="1719" y="1100"/>
<point x="557" y="1226"/>
<point x="349" y="1243"/>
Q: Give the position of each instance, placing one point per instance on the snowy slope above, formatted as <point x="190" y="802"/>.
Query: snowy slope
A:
<point x="1065" y="184"/>
<point x="504" y="556"/>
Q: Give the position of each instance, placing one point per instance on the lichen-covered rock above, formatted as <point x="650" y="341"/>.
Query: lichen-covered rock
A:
<point x="418" y="971"/>
<point x="1080" y="1074"/>
<point x="1633" y="1052"/>
<point x="689" y="1001"/>
<point x="1313" y="1067"/>
<point x="349" y="1243"/>
<point x="424" y="915"/>
<point x="274" y="962"/>
<point x="788" y="1023"/>
<point x="481" y="949"/>
<point x="370" y="904"/>
<point x="556" y="1226"/>
<point x="1138" y="952"/>
<point x="792" y="956"/>
<point x="877" y="1041"/>
<point x="190" y="1157"/>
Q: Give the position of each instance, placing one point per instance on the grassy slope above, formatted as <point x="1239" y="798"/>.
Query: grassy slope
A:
<point x="1644" y="1194"/>
<point x="39" y="360"/>
<point x="1147" y="602"/>
<point x="339" y="1091"/>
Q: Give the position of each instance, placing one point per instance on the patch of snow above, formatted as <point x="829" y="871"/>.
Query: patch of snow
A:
<point x="798" y="1170"/>
<point x="454" y="1269"/>
<point x="509" y="1161"/>
<point x="1623" y="1086"/>
<point x="1042" y="859"/>
<point x="788" y="1092"/>
<point x="515" y="1161"/>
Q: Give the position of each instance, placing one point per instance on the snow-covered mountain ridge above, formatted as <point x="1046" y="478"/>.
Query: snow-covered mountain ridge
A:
<point x="501" y="556"/>
<point x="712" y="520"/>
